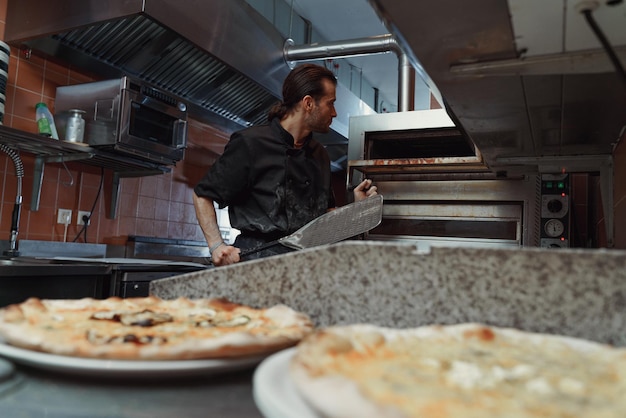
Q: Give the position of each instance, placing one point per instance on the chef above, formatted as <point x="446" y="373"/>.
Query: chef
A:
<point x="274" y="178"/>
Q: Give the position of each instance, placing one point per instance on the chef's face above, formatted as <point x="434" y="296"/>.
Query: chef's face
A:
<point x="323" y="110"/>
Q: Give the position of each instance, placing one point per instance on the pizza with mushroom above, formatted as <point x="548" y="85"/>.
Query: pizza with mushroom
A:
<point x="150" y="328"/>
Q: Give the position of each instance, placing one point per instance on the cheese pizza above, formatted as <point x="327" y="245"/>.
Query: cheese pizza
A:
<point x="150" y="328"/>
<point x="467" y="370"/>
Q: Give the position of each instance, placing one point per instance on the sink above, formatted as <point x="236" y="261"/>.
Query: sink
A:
<point x="46" y="278"/>
<point x="135" y="261"/>
<point x="24" y="261"/>
<point x="35" y="266"/>
<point x="9" y="262"/>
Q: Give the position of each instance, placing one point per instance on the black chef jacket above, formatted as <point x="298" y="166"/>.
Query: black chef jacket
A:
<point x="271" y="188"/>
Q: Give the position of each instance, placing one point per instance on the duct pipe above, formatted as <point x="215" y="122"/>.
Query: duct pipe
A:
<point x="355" y="47"/>
<point x="404" y="78"/>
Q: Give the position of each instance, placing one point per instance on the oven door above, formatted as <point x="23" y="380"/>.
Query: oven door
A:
<point x="495" y="224"/>
<point x="452" y="211"/>
<point x="154" y="128"/>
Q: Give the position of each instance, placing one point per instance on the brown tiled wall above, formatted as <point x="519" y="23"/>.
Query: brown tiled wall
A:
<point x="158" y="206"/>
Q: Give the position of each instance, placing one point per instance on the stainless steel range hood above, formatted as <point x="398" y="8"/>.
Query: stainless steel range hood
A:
<point x="526" y="79"/>
<point x="220" y="55"/>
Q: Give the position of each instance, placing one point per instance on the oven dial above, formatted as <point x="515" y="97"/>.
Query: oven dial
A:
<point x="554" y="206"/>
<point x="554" y="228"/>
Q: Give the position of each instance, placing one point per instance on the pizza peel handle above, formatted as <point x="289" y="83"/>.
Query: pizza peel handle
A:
<point x="337" y="225"/>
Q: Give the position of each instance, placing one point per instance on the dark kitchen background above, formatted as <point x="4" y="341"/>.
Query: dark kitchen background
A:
<point x="161" y="205"/>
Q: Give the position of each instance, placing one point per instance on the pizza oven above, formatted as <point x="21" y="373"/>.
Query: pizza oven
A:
<point x="437" y="189"/>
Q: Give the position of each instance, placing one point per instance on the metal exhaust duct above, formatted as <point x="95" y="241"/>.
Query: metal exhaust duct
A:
<point x="355" y="47"/>
<point x="221" y="56"/>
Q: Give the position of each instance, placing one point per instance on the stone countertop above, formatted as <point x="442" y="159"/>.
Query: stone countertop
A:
<point x="575" y="292"/>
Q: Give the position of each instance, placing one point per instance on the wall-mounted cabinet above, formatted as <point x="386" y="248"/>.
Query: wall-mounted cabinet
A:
<point x="46" y="150"/>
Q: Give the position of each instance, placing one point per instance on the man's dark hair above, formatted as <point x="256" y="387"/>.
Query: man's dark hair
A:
<point x="303" y="80"/>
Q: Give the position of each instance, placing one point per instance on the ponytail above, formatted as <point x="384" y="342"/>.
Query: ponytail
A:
<point x="278" y="110"/>
<point x="303" y="80"/>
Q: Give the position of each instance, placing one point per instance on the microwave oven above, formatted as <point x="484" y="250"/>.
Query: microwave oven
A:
<point x="128" y="117"/>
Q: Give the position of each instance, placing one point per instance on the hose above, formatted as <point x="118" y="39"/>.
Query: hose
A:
<point x="15" y="218"/>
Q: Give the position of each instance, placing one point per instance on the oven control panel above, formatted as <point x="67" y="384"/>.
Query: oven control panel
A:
<point x="555" y="211"/>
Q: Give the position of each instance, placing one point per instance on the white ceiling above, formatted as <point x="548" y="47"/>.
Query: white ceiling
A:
<point x="556" y="26"/>
<point x="540" y="26"/>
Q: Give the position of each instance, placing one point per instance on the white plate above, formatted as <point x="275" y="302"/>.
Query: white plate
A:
<point x="275" y="393"/>
<point x="124" y="368"/>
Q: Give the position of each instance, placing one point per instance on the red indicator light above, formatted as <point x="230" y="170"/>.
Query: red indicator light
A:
<point x="562" y="238"/>
<point x="563" y="194"/>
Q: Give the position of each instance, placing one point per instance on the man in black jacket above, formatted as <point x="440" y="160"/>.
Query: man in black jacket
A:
<point x="274" y="178"/>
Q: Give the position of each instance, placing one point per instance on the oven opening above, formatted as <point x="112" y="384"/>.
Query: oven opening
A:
<point x="408" y="144"/>
<point x="484" y="229"/>
<point x="497" y="221"/>
<point x="151" y="125"/>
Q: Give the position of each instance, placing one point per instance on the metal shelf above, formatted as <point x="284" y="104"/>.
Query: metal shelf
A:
<point x="47" y="150"/>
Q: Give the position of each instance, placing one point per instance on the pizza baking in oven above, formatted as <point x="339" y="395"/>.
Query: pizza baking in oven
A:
<point x="151" y="328"/>
<point x="467" y="370"/>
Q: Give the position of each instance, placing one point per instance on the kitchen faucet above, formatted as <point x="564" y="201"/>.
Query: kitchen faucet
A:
<point x="15" y="218"/>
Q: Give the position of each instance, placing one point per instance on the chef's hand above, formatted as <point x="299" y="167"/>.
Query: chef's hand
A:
<point x="225" y="255"/>
<point x="364" y="190"/>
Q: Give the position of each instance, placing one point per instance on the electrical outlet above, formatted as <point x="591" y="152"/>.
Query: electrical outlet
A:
<point x="64" y="216"/>
<point x="79" y="219"/>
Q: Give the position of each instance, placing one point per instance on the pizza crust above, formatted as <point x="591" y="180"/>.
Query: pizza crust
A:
<point x="467" y="370"/>
<point x="336" y="397"/>
<point x="151" y="328"/>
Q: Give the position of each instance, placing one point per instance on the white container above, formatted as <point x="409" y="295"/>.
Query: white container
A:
<point x="45" y="121"/>
<point x="75" y="128"/>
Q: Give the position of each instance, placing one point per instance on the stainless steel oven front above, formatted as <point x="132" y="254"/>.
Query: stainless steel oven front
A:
<point x="437" y="189"/>
<point x="128" y="117"/>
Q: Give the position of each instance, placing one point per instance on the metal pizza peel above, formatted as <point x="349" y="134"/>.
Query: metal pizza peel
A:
<point x="337" y="225"/>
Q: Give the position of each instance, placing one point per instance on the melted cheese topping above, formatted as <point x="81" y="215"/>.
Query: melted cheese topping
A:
<point x="469" y="374"/>
<point x="150" y="328"/>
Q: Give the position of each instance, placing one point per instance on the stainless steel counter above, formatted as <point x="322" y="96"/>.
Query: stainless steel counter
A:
<point x="25" y="277"/>
<point x="33" y="266"/>
<point x="94" y="270"/>
<point x="31" y="393"/>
